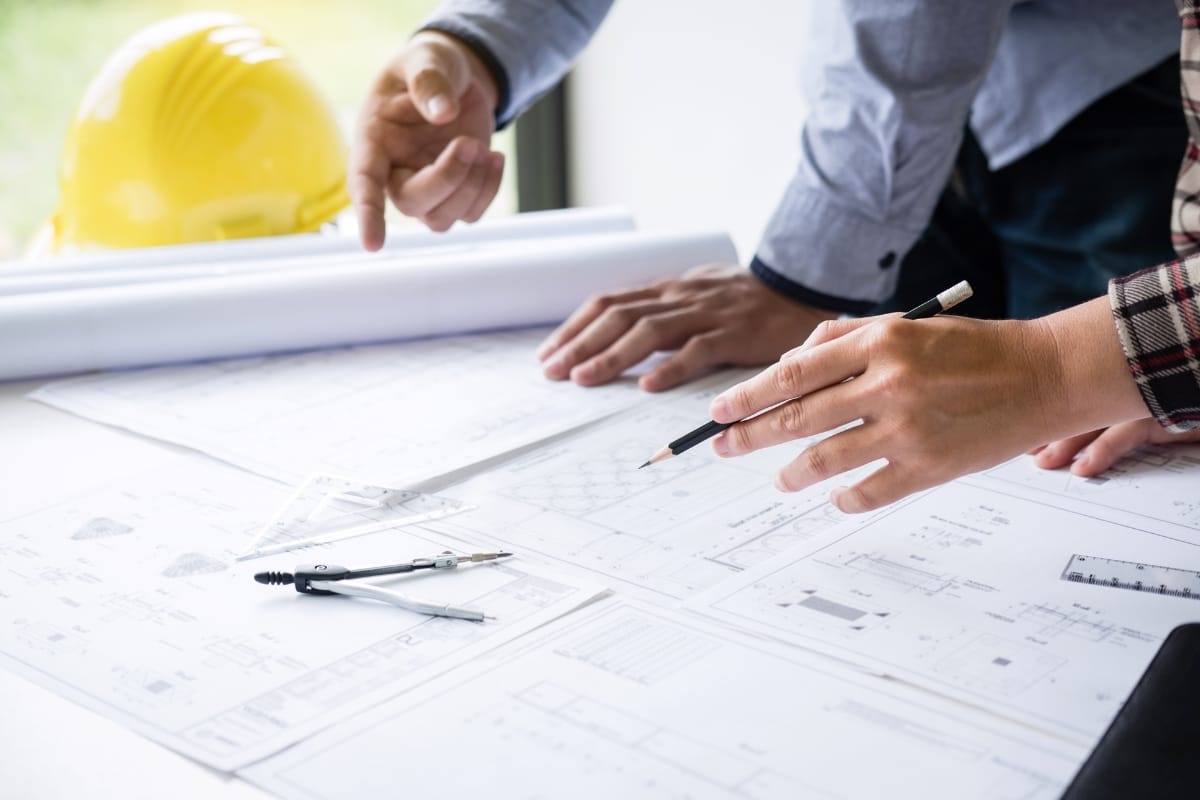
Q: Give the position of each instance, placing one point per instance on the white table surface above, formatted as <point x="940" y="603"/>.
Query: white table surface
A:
<point x="49" y="746"/>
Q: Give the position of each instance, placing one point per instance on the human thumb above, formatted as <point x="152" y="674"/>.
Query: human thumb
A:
<point x="434" y="97"/>
<point x="436" y="76"/>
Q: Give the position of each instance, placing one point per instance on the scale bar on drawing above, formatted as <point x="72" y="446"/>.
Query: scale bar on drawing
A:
<point x="1134" y="576"/>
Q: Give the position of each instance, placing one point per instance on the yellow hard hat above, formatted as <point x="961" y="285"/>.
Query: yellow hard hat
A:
<point x="197" y="128"/>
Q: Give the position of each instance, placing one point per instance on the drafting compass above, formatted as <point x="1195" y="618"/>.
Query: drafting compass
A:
<point x="334" y="579"/>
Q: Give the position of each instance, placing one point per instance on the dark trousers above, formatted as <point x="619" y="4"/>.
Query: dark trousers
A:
<point x="1051" y="229"/>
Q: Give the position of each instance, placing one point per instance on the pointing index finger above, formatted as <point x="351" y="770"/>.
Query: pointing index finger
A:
<point x="369" y="164"/>
<point x="366" y="184"/>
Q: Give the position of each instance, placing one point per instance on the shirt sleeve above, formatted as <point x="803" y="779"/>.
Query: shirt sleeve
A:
<point x="1157" y="314"/>
<point x="890" y="84"/>
<point x="528" y="45"/>
<point x="1185" y="207"/>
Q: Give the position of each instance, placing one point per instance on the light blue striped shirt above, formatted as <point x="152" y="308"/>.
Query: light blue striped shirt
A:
<point x="890" y="86"/>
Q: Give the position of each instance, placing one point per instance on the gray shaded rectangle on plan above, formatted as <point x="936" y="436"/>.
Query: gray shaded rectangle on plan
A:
<point x="832" y="608"/>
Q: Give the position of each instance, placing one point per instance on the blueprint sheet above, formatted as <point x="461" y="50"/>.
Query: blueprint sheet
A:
<point x="128" y="599"/>
<point x="1153" y="487"/>
<point x="663" y="532"/>
<point x="390" y="414"/>
<point x="959" y="590"/>
<point x="622" y="700"/>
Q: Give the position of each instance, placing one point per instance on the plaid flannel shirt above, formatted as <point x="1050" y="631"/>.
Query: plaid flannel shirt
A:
<point x="1157" y="311"/>
<point x="1158" y="321"/>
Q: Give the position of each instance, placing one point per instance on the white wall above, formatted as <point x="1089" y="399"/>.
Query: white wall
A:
<point x="689" y="113"/>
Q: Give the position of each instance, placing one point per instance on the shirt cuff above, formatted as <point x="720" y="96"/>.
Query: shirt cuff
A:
<point x="824" y="255"/>
<point x="801" y="293"/>
<point x="1157" y="316"/>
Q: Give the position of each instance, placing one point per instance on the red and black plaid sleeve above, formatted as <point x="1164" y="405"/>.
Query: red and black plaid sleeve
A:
<point x="1157" y="312"/>
<point x="1185" y="210"/>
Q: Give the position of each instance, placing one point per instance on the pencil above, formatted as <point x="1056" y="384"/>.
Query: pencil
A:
<point x="935" y="305"/>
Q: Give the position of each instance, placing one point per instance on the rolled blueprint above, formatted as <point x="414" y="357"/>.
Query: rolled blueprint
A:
<point x="209" y="259"/>
<point x="387" y="297"/>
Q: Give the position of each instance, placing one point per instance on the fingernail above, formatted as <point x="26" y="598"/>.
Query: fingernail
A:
<point x="437" y="104"/>
<point x="721" y="446"/>
<point x="543" y="352"/>
<point x="583" y="371"/>
<point x="839" y="498"/>
<point x="780" y="485"/>
<point x="720" y="409"/>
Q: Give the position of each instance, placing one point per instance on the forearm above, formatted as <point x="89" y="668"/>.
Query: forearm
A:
<point x="890" y="88"/>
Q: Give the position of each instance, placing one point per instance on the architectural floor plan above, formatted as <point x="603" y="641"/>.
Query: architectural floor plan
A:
<point x="625" y="701"/>
<point x="959" y="590"/>
<point x="392" y="414"/>
<point x="130" y="600"/>
<point x="666" y="531"/>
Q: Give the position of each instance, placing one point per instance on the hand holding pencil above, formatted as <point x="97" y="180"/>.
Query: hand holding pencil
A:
<point x="934" y="398"/>
<point x="948" y="299"/>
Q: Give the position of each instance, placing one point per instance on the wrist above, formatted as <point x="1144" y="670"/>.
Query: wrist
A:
<point x="1080" y="370"/>
<point x="785" y="286"/>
